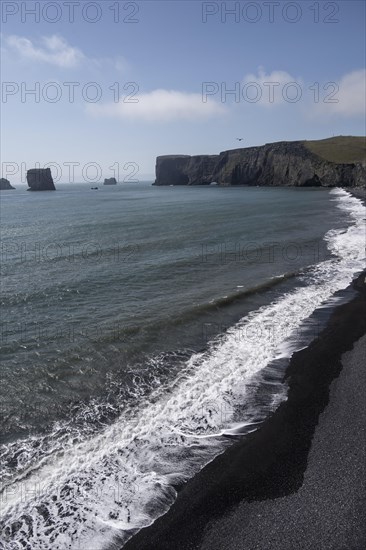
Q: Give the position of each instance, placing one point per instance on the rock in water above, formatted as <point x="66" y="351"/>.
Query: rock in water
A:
<point x="110" y="181"/>
<point x="40" y="179"/>
<point x="5" y="184"/>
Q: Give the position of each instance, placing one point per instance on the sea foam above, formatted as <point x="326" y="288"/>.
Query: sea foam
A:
<point x="91" y="491"/>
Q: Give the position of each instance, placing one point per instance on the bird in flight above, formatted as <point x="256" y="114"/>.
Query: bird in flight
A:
<point x="240" y="139"/>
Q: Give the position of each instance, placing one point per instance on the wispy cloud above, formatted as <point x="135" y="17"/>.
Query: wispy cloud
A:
<point x="55" y="50"/>
<point x="117" y="63"/>
<point x="52" y="49"/>
<point x="160" y="105"/>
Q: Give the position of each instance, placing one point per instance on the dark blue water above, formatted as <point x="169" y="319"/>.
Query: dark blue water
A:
<point x="124" y="313"/>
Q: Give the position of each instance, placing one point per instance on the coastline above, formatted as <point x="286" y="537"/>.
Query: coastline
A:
<point x="358" y="192"/>
<point x="270" y="465"/>
<point x="122" y="457"/>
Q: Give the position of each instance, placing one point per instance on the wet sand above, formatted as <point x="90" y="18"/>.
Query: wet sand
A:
<point x="299" y="480"/>
<point x="359" y="192"/>
<point x="329" y="510"/>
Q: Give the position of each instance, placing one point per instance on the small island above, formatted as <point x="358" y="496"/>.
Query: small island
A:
<point x="5" y="184"/>
<point x="110" y="181"/>
<point x="40" y="179"/>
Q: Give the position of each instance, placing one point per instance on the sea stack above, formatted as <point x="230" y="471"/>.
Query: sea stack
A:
<point x="110" y="181"/>
<point x="40" y="179"/>
<point x="5" y="184"/>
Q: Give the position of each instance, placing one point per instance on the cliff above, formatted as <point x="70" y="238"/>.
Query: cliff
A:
<point x="5" y="184"/>
<point x="274" y="164"/>
<point x="40" y="179"/>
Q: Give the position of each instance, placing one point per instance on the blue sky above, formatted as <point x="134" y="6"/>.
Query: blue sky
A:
<point x="296" y="71"/>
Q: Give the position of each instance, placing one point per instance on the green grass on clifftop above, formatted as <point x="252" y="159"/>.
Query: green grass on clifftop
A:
<point x="340" y="149"/>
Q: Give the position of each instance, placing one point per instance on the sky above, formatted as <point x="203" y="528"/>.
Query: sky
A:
<point x="100" y="89"/>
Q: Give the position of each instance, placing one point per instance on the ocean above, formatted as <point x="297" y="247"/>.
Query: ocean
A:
<point x="143" y="330"/>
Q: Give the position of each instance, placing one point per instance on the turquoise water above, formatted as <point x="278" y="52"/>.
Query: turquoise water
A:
<point x="119" y="304"/>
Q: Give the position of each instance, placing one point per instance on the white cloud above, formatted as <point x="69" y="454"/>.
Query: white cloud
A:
<point x="53" y="49"/>
<point x="348" y="100"/>
<point x="275" y="88"/>
<point x="160" y="105"/>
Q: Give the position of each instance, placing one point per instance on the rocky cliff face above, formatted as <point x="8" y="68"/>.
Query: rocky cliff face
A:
<point x="40" y="179"/>
<point x="282" y="163"/>
<point x="5" y="184"/>
<point x="185" y="170"/>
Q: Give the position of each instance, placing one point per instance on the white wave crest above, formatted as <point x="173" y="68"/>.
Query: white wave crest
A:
<point x="93" y="492"/>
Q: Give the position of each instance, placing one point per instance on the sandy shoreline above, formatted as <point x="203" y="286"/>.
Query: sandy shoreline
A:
<point x="298" y="481"/>
<point x="268" y="489"/>
<point x="328" y="512"/>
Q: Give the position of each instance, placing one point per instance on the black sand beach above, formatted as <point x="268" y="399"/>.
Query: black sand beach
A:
<point x="359" y="192"/>
<point x="299" y="480"/>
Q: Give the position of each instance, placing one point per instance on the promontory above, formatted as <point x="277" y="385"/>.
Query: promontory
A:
<point x="338" y="161"/>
